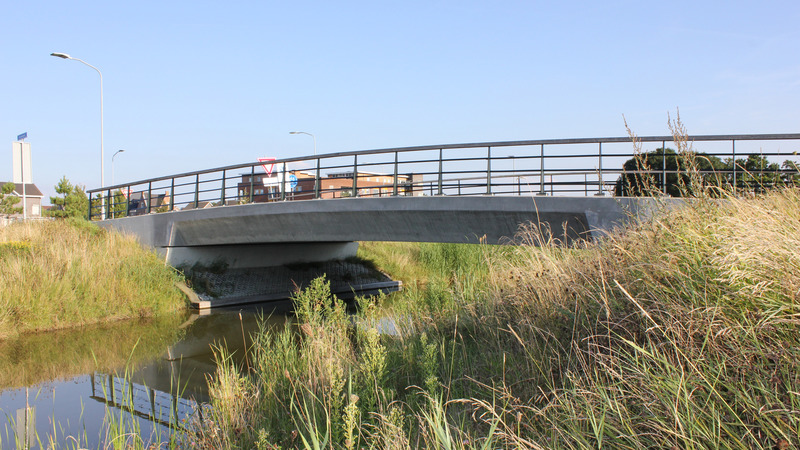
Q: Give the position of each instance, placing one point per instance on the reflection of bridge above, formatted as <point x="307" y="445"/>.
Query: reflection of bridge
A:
<point x="448" y="193"/>
<point x="156" y="406"/>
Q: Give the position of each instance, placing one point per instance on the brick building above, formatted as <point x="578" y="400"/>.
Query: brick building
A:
<point x="267" y="188"/>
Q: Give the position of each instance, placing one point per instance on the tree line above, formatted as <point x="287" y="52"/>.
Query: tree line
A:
<point x="685" y="174"/>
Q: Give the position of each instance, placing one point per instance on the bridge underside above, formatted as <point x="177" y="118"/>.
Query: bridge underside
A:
<point x="266" y="234"/>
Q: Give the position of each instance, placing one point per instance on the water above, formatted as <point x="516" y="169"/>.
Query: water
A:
<point x="68" y="386"/>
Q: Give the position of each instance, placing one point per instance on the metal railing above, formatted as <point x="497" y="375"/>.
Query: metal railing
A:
<point x="584" y="166"/>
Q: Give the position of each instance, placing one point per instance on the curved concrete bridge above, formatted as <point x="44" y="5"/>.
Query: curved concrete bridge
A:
<point x="275" y="233"/>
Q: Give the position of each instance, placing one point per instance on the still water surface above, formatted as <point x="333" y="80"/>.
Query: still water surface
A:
<point x="76" y="382"/>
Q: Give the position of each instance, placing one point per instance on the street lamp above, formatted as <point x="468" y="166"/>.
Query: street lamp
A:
<point x="102" y="171"/>
<point x="312" y="137"/>
<point x="112" y="164"/>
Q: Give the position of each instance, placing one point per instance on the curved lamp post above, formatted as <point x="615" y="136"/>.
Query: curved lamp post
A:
<point x="66" y="56"/>
<point x="312" y="137"/>
<point x="112" y="164"/>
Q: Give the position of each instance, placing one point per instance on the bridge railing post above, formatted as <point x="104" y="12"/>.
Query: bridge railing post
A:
<point x="196" y="191"/>
<point x="252" y="176"/>
<point x="89" y="216"/>
<point x="489" y="171"/>
<point x="541" y="171"/>
<point x="171" y="195"/>
<point x="663" y="167"/>
<point x="109" y="206"/>
<point x="317" y="180"/>
<point x="355" y="175"/>
<point x="222" y="191"/>
<point x="283" y="182"/>
<point x="733" y="158"/>
<point x="600" y="170"/>
<point x="440" y="172"/>
<point x="150" y="196"/>
<point x="394" y="187"/>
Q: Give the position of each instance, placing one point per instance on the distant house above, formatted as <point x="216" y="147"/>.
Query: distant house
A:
<point x="267" y="188"/>
<point x="200" y="205"/>
<point x="142" y="202"/>
<point x="33" y="199"/>
<point x="370" y="184"/>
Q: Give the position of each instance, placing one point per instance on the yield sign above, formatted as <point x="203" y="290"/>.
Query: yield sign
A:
<point x="267" y="168"/>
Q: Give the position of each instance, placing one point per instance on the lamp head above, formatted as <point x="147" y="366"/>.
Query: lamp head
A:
<point x="294" y="132"/>
<point x="61" y="55"/>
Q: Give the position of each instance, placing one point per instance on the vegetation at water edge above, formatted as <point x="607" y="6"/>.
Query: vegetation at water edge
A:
<point x="66" y="273"/>
<point x="681" y="332"/>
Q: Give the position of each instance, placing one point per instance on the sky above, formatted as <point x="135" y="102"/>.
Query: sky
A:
<point x="202" y="84"/>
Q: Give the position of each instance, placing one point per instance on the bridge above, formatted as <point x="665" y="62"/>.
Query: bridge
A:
<point x="317" y="207"/>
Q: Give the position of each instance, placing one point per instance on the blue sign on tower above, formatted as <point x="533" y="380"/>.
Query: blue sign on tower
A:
<point x="22" y="136"/>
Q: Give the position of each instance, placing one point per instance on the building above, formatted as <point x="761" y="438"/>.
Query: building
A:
<point x="22" y="173"/>
<point x="33" y="199"/>
<point x="302" y="186"/>
<point x="141" y="202"/>
<point x="267" y="187"/>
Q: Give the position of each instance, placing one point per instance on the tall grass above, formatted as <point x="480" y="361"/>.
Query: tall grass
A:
<point x="59" y="274"/>
<point x="681" y="332"/>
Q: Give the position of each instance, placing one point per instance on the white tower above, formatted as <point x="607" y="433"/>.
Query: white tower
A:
<point x="21" y="157"/>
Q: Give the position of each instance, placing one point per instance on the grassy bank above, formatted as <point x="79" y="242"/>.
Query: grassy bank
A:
<point x="66" y="273"/>
<point x="683" y="332"/>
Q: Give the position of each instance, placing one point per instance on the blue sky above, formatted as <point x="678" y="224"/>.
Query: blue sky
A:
<point x="192" y="85"/>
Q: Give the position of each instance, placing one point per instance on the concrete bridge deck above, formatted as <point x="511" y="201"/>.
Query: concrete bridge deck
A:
<point x="264" y="234"/>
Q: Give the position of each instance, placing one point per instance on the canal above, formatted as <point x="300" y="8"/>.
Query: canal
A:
<point x="74" y="388"/>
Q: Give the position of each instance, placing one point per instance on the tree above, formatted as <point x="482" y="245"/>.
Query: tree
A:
<point x="645" y="174"/>
<point x="114" y="209"/>
<point x="754" y="174"/>
<point x="8" y="201"/>
<point x="689" y="173"/>
<point x="74" y="202"/>
<point x="791" y="172"/>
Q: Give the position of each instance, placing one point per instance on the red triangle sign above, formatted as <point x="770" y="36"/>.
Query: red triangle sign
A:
<point x="269" y="169"/>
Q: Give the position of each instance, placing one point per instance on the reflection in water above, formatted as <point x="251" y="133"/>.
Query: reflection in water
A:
<point x="156" y="406"/>
<point x="59" y="355"/>
<point x="26" y="427"/>
<point x="72" y="380"/>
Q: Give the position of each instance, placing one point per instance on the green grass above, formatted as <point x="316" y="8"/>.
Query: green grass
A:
<point x="67" y="273"/>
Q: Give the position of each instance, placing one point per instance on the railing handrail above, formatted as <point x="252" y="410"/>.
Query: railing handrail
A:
<point x="525" y="143"/>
